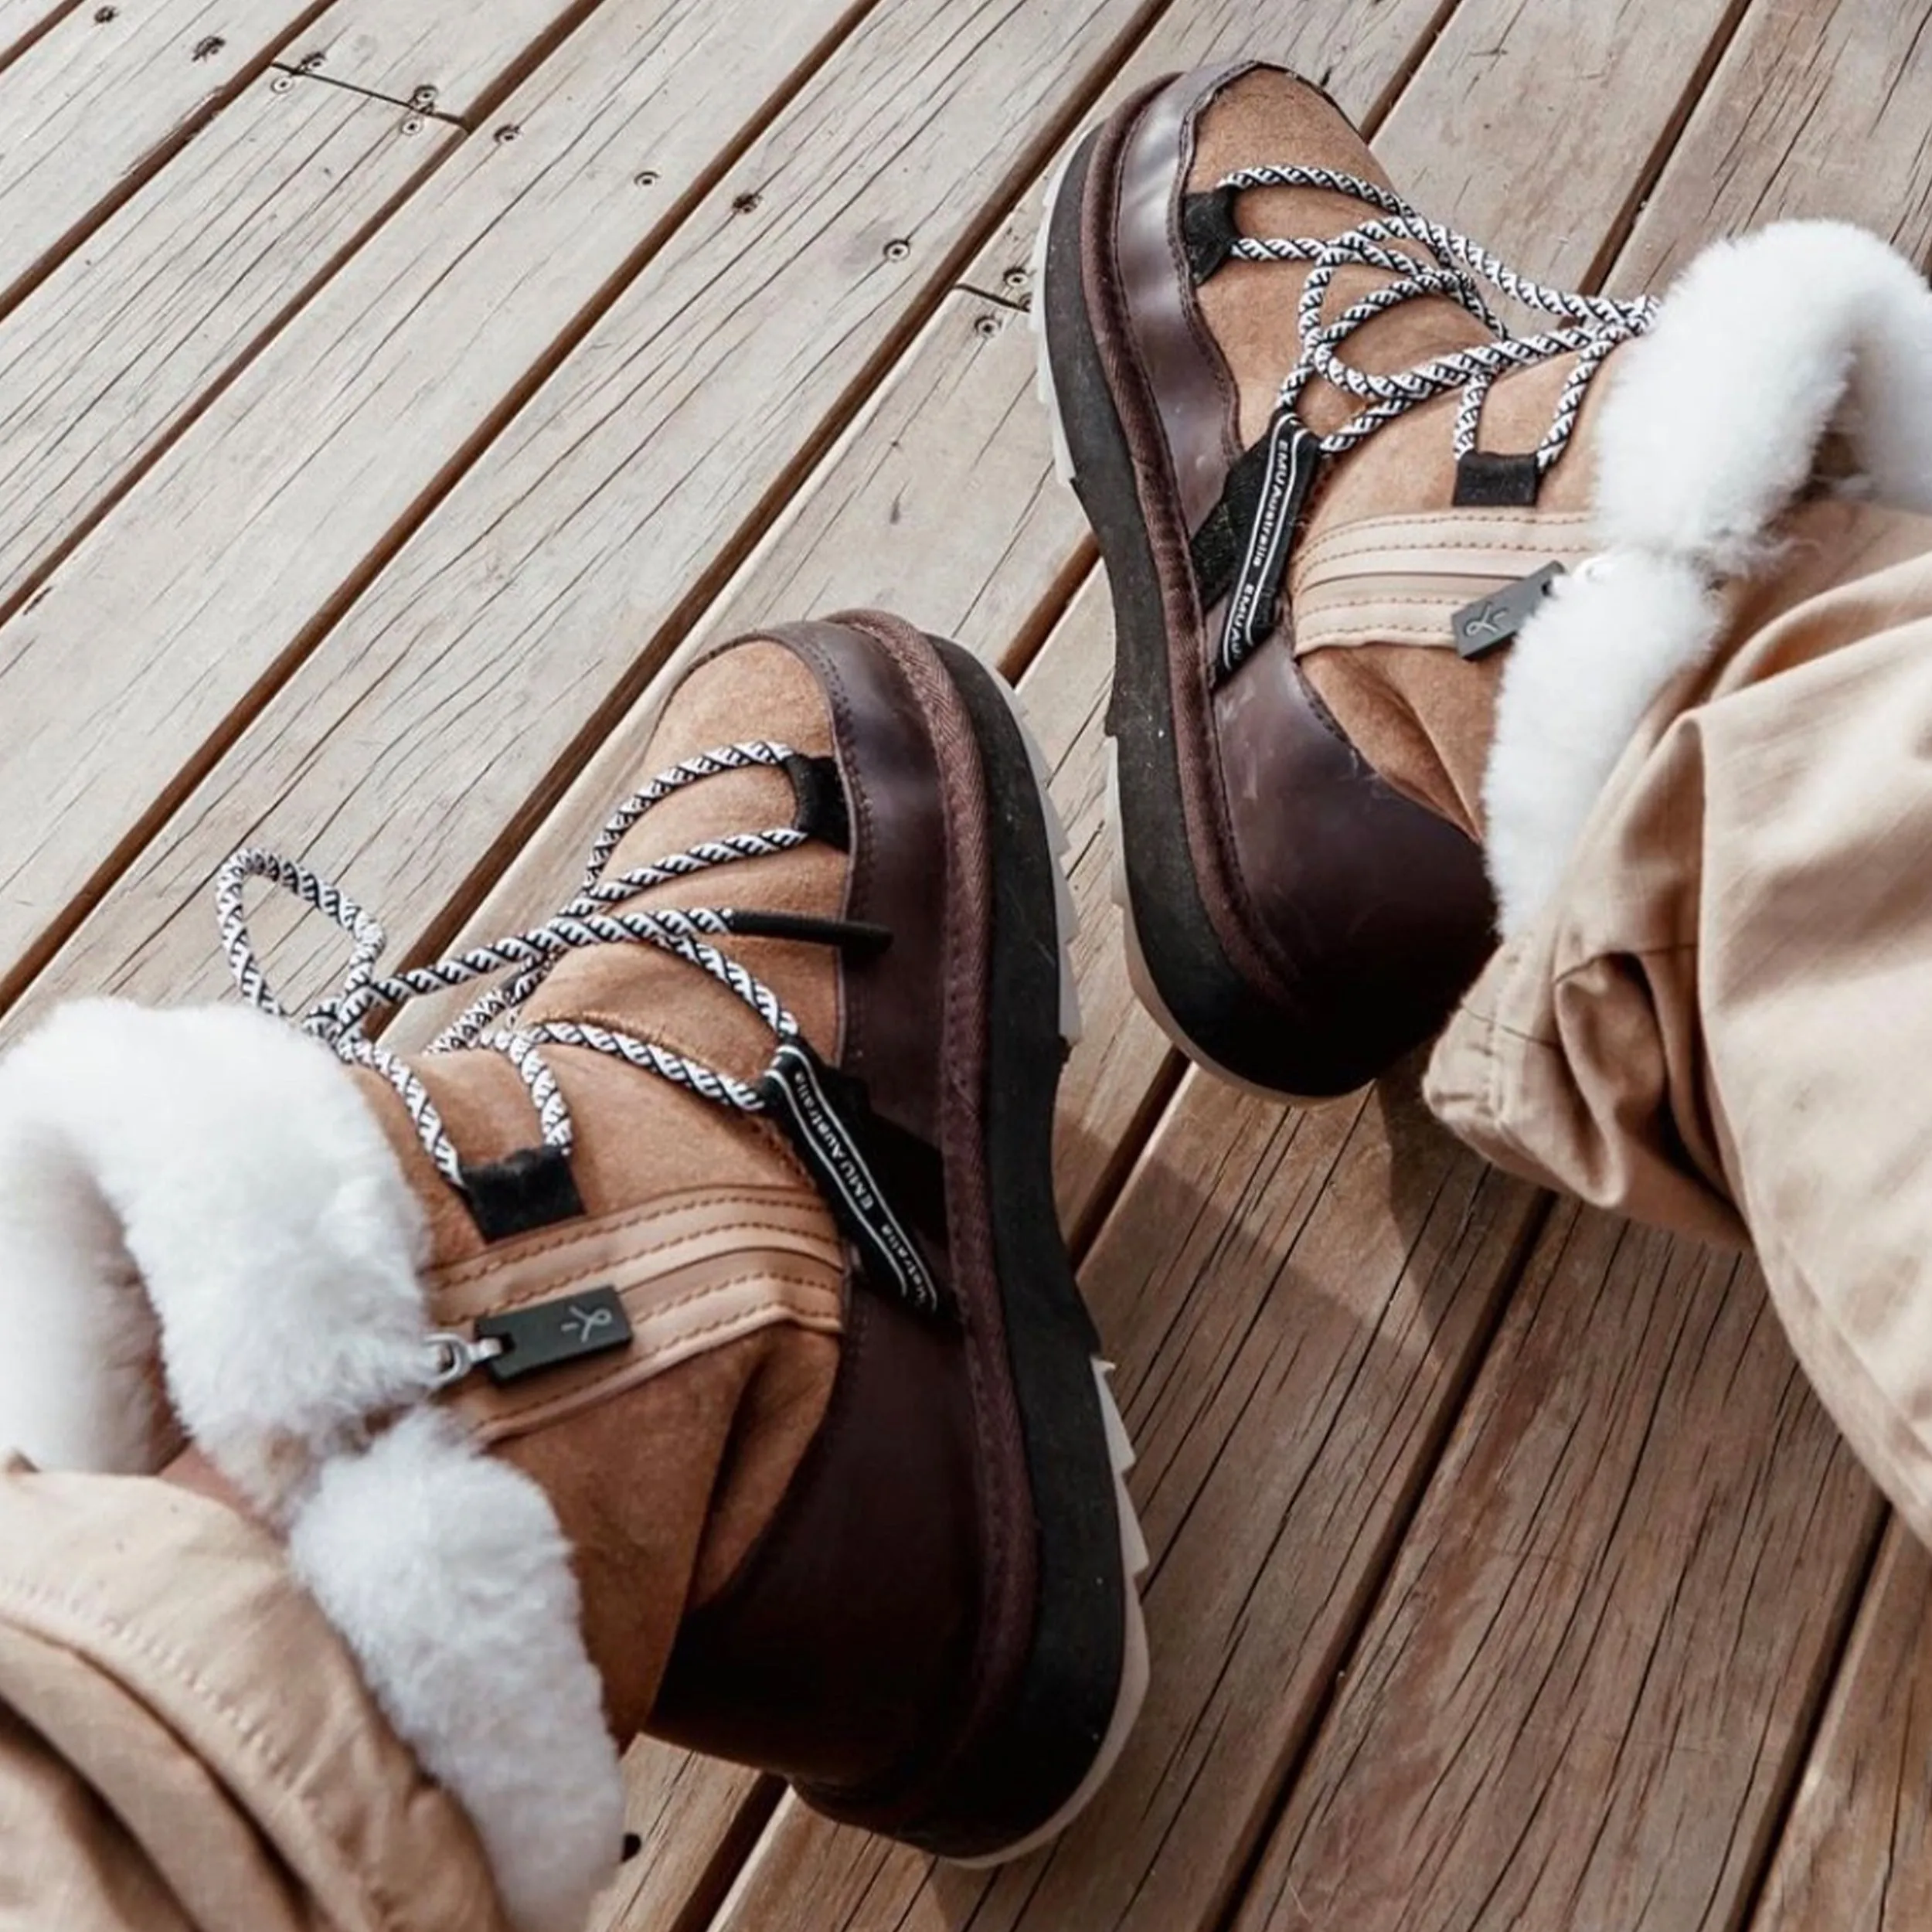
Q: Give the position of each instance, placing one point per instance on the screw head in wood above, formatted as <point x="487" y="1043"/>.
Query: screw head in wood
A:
<point x="897" y="249"/>
<point x="987" y="325"/>
<point x="507" y="133"/>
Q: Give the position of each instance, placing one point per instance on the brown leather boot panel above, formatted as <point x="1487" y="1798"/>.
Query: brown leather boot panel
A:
<point x="845" y="1643"/>
<point x="715" y="1444"/>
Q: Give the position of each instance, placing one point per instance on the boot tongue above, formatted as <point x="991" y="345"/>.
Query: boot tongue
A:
<point x="752" y="692"/>
<point x="1267" y="118"/>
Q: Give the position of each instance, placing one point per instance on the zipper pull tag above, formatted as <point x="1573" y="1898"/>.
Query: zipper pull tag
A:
<point x="1489" y="623"/>
<point x="522" y="1341"/>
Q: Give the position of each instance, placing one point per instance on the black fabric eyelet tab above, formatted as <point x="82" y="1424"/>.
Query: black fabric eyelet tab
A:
<point x="1267" y="483"/>
<point x="823" y="1116"/>
<point x="533" y="1187"/>
<point x="1487" y="481"/>
<point x="856" y="938"/>
<point x="1291" y="455"/>
<point x="1491" y="622"/>
<point x="1208" y="232"/>
<point x="820" y="791"/>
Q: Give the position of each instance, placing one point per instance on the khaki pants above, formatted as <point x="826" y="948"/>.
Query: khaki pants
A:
<point x="185" y="1743"/>
<point x="1723" y="1025"/>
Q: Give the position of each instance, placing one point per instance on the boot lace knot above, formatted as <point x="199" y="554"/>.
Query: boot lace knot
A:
<point x="1423" y="260"/>
<point x="594" y="917"/>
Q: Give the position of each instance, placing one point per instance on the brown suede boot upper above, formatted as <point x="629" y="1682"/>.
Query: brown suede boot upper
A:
<point x="1383" y="559"/>
<point x="1300" y="744"/>
<point x="729" y="1262"/>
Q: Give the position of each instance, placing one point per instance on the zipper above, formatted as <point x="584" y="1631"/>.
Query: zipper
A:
<point x="1370" y="581"/>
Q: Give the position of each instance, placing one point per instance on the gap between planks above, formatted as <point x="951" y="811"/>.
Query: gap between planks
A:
<point x="732" y="549"/>
<point x="135" y="169"/>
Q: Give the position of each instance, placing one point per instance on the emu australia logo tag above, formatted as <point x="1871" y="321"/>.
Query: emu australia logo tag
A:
<point x="795" y="1092"/>
<point x="548" y="1334"/>
<point x="1289" y="469"/>
<point x="1491" y="622"/>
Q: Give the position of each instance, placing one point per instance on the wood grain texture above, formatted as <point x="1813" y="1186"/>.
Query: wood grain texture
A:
<point x="20" y="18"/>
<point x="695" y="1820"/>
<point x="1818" y="110"/>
<point x="1512" y="117"/>
<point x="208" y="578"/>
<point x="94" y="99"/>
<point x="1586" y="1687"/>
<point x="1247" y="1661"/>
<point x="570" y="558"/>
<point x="1293" y="1298"/>
<point x="441" y="55"/>
<point x="1856" y="1851"/>
<point x="119" y="343"/>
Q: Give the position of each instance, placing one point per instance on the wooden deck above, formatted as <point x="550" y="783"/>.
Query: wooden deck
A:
<point x="387" y="389"/>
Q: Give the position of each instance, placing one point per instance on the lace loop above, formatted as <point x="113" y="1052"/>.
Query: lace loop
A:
<point x="1591" y="326"/>
<point x="340" y="1021"/>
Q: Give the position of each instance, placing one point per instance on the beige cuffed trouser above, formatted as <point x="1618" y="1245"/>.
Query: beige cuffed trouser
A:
<point x="1723" y="1024"/>
<point x="185" y="1742"/>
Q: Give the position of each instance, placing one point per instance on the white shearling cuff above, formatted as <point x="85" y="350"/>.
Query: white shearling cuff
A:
<point x="206" y="1192"/>
<point x="1709" y="430"/>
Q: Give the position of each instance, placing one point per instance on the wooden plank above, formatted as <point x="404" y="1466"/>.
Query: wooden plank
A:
<point x="694" y="1820"/>
<point x="120" y="343"/>
<point x="1510" y="117"/>
<point x="1603" y="1734"/>
<point x="103" y="95"/>
<point x="1122" y="1070"/>
<point x="210" y="575"/>
<point x="118" y="346"/>
<point x="1586" y="1684"/>
<point x="1819" y="109"/>
<point x="1293" y="1298"/>
<point x="448" y="58"/>
<point x="604" y="509"/>
<point x="20" y="18"/>
<point x="1856" y="1852"/>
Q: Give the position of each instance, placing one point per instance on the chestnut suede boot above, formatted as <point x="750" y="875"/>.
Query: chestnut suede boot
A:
<point x="685" y="1342"/>
<point x="1394" y="589"/>
<point x="1327" y="489"/>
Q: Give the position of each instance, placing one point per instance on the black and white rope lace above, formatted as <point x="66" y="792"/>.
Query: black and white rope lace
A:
<point x="341" y="1021"/>
<point x="1592" y="327"/>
